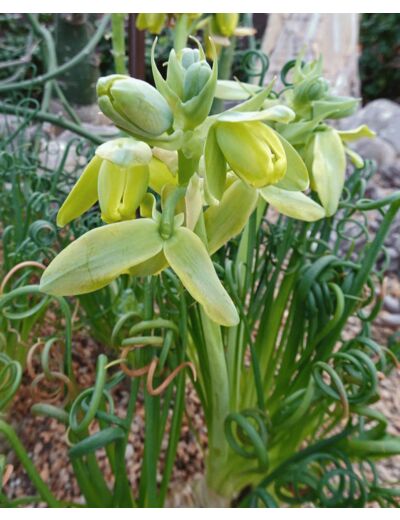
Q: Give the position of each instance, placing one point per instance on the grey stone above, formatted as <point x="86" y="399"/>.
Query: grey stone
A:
<point x="391" y="176"/>
<point x="391" y="133"/>
<point x="378" y="115"/>
<point x="390" y="320"/>
<point x="392" y="304"/>
<point x="377" y="149"/>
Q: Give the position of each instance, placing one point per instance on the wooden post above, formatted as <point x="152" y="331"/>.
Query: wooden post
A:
<point x="136" y="49"/>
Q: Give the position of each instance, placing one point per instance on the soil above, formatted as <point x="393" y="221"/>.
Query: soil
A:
<point x="45" y="439"/>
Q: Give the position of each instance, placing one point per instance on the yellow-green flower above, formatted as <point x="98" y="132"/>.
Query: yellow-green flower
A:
<point x="227" y="218"/>
<point x="226" y="23"/>
<point x="327" y="166"/>
<point x="250" y="148"/>
<point x="103" y="254"/>
<point x="117" y="176"/>
<point x="152" y="22"/>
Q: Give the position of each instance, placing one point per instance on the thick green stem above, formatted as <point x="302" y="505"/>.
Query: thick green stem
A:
<point x="217" y="401"/>
<point x="118" y="42"/>
<point x="186" y="168"/>
<point x="181" y="32"/>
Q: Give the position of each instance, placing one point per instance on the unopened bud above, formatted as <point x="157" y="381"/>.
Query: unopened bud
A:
<point x="134" y="105"/>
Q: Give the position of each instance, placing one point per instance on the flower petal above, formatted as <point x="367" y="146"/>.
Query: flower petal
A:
<point x="215" y="166"/>
<point x="235" y="90"/>
<point x="125" y="152"/>
<point x="328" y="169"/>
<point x="296" y="177"/>
<point x="228" y="218"/>
<point x="279" y="113"/>
<point x="99" y="256"/>
<point x="137" y="181"/>
<point x="193" y="201"/>
<point x="189" y="258"/>
<point x="293" y="204"/>
<point x="160" y="175"/>
<point x="356" y="133"/>
<point x="83" y="195"/>
<point x="111" y="185"/>
<point x="152" y="266"/>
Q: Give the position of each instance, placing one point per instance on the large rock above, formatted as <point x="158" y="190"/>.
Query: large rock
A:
<point x="382" y="116"/>
<point x="378" y="150"/>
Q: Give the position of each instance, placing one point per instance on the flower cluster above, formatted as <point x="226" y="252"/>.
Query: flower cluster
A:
<point x="181" y="182"/>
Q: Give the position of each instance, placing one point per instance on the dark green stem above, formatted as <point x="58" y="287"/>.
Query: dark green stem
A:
<point x="56" y="120"/>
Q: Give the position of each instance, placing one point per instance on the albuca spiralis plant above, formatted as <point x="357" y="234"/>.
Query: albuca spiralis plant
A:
<point x="233" y="229"/>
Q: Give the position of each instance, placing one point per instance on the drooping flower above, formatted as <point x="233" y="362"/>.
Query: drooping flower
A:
<point x="103" y="254"/>
<point x="117" y="177"/>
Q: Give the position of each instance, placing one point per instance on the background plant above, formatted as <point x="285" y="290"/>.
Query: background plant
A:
<point x="379" y="61"/>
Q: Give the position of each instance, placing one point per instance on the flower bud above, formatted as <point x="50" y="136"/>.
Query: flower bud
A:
<point x="196" y="77"/>
<point x="226" y="23"/>
<point x="134" y="105"/>
<point x="189" y="87"/>
<point x="308" y="90"/>
<point x="153" y="22"/>
<point x="188" y="57"/>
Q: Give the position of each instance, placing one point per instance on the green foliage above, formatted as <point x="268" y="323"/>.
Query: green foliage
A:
<point x="380" y="61"/>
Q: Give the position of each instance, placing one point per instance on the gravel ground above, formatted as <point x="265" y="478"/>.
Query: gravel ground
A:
<point x="45" y="440"/>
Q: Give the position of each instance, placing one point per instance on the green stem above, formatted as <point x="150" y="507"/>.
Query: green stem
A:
<point x="181" y="32"/>
<point x="168" y="214"/>
<point x="218" y="398"/>
<point x="50" y="57"/>
<point x="179" y="404"/>
<point x="57" y="120"/>
<point x="70" y="111"/>
<point x="118" y="42"/>
<point x="225" y="62"/>
<point x="186" y="168"/>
